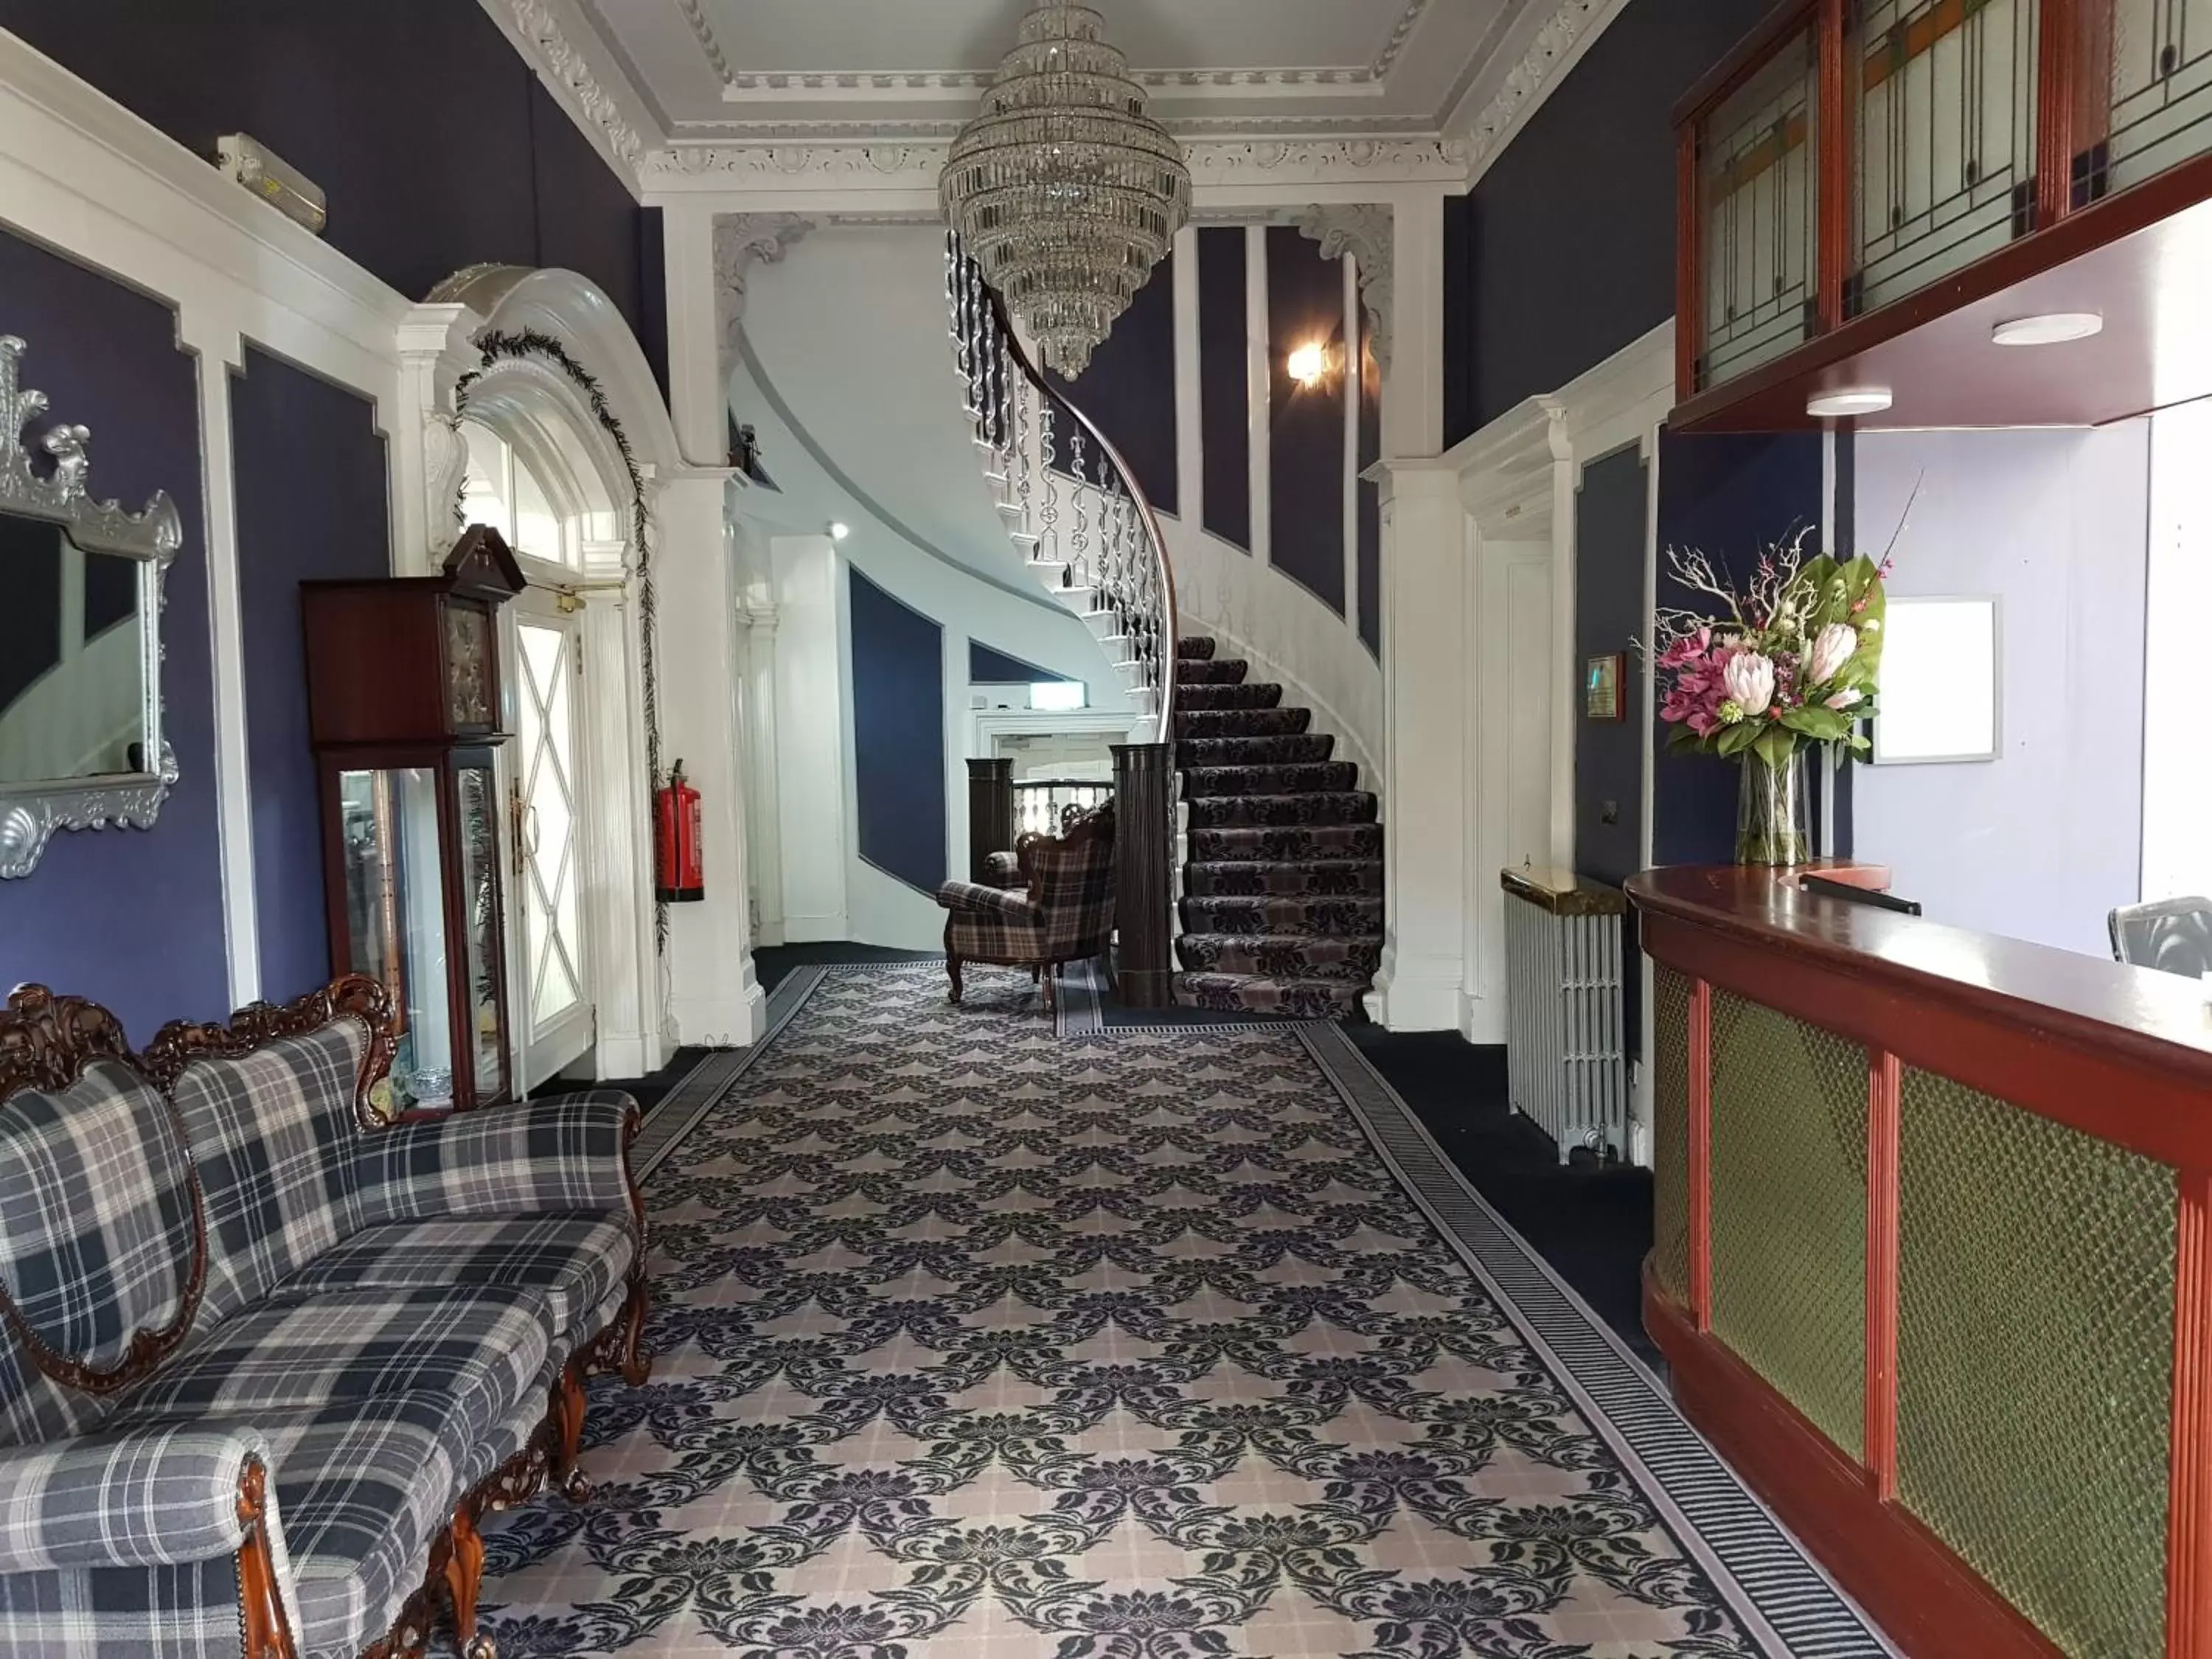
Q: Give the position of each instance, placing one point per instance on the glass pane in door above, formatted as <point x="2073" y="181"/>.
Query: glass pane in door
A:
<point x="552" y="927"/>
<point x="395" y="914"/>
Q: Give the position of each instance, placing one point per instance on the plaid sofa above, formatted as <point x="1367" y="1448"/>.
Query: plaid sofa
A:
<point x="1065" y="914"/>
<point x="263" y="1362"/>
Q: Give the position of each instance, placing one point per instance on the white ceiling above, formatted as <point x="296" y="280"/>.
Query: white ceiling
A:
<point x="826" y="68"/>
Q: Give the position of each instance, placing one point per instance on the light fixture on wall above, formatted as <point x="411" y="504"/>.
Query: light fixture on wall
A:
<point x="1846" y="401"/>
<point x="839" y="530"/>
<point x="2051" y="328"/>
<point x="1307" y="364"/>
<point x="277" y="182"/>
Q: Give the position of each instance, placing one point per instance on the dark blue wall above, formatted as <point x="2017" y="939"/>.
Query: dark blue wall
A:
<point x="1731" y="496"/>
<point x="898" y="737"/>
<point x="313" y="503"/>
<point x="1564" y="251"/>
<point x="987" y="666"/>
<point x="1224" y="384"/>
<point x="1610" y="517"/>
<point x="1370" y="496"/>
<point x="435" y="142"/>
<point x="1305" y="303"/>
<point x="1130" y="389"/>
<point x="132" y="918"/>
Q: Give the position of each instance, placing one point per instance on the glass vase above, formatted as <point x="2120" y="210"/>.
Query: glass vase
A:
<point x="1773" y="822"/>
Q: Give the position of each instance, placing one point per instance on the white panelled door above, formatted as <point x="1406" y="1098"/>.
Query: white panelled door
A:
<point x="553" y="1016"/>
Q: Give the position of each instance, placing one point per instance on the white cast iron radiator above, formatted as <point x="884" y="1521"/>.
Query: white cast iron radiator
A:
<point x="1563" y="1037"/>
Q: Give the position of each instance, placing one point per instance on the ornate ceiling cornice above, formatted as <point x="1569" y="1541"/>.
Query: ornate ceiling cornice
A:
<point x="564" y="63"/>
<point x="1264" y="161"/>
<point x="741" y="241"/>
<point x="1526" y="80"/>
<point x="1368" y="231"/>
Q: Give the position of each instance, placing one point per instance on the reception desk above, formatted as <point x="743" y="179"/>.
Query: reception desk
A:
<point x="1933" y="1260"/>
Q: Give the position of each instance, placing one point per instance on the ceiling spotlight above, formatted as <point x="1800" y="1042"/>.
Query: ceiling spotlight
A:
<point x="1848" y="401"/>
<point x="2052" y="328"/>
<point x="839" y="530"/>
<point x="1307" y="364"/>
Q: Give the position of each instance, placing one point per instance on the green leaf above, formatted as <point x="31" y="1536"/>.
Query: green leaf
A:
<point x="1777" y="744"/>
<point x="1821" y="725"/>
<point x="1734" y="739"/>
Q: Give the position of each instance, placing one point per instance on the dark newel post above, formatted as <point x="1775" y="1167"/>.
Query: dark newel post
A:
<point x="990" y="813"/>
<point x="1143" y="879"/>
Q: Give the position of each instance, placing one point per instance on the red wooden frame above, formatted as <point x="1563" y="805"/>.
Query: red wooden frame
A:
<point x="2072" y="73"/>
<point x="2113" y="1052"/>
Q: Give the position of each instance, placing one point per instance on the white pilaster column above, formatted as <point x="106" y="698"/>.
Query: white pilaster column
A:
<point x="1259" y="391"/>
<point x="625" y="985"/>
<point x="436" y="348"/>
<point x="1190" y="433"/>
<point x="1426" y="752"/>
<point x="712" y="996"/>
<point x="760" y="621"/>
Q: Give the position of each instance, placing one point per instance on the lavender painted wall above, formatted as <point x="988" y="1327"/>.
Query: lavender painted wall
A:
<point x="131" y="918"/>
<point x="2041" y="842"/>
<point x="311" y="504"/>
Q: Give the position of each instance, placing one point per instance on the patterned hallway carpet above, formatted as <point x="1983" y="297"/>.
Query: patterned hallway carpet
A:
<point x="973" y="1339"/>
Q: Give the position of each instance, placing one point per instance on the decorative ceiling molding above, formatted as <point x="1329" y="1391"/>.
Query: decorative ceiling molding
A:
<point x="1267" y="160"/>
<point x="1368" y="231"/>
<point x="908" y="82"/>
<point x="1525" y="82"/>
<point x="754" y="131"/>
<point x="567" y="67"/>
<point x="741" y="240"/>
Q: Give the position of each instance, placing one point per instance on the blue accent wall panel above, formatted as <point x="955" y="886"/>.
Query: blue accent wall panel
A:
<point x="1130" y="389"/>
<point x="898" y="737"/>
<point x="311" y="504"/>
<point x="989" y="666"/>
<point x="1370" y="496"/>
<point x="435" y="141"/>
<point x="1731" y="495"/>
<point x="1225" y="386"/>
<point x="131" y="918"/>
<point x="1564" y="252"/>
<point x="1305" y="305"/>
<point x="1610" y="516"/>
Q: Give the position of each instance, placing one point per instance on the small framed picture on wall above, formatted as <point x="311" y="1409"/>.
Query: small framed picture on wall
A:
<point x="1602" y="679"/>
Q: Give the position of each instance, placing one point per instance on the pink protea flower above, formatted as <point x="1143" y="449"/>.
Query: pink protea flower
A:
<point x="1838" y="643"/>
<point x="1749" y="679"/>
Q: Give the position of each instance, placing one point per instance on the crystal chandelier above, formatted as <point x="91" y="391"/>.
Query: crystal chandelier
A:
<point x="1066" y="193"/>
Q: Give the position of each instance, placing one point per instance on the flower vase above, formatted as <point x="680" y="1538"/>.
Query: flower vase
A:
<point x="1773" y="823"/>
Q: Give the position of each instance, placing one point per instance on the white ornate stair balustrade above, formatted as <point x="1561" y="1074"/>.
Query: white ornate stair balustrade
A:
<point x="1069" y="502"/>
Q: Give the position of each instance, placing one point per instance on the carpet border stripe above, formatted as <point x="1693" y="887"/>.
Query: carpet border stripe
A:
<point x="1721" y="1520"/>
<point x="707" y="1084"/>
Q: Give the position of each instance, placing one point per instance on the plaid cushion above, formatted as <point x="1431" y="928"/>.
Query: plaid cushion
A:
<point x="141" y="1497"/>
<point x="273" y="1134"/>
<point x="123" y="1613"/>
<point x="528" y="1157"/>
<point x="572" y="1262"/>
<point x="33" y="1407"/>
<point x="1074" y="888"/>
<point x="484" y="1349"/>
<point x="96" y="1213"/>
<point x="1004" y="870"/>
<point x="1011" y="901"/>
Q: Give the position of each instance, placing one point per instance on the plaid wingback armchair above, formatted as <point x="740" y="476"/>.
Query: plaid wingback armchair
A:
<point x="1065" y="914"/>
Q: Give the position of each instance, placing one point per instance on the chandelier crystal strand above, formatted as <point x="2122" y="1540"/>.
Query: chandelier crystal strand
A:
<point x="1063" y="189"/>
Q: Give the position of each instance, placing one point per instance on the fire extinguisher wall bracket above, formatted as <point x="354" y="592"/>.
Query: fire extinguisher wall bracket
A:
<point x="680" y="878"/>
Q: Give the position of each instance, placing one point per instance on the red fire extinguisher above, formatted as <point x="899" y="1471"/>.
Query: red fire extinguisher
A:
<point x="676" y="841"/>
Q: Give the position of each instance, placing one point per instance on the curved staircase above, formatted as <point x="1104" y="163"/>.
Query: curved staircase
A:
<point x="1282" y="906"/>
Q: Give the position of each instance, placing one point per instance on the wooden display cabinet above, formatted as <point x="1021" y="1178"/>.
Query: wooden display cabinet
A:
<point x="404" y="710"/>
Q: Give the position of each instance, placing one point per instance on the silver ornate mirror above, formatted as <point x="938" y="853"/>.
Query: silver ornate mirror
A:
<point x="81" y="738"/>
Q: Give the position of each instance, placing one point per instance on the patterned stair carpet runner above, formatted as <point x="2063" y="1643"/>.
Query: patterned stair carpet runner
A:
<point x="1282" y="909"/>
<point x="974" y="1342"/>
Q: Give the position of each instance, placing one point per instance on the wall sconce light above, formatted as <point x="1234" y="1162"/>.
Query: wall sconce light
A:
<point x="267" y="174"/>
<point x="839" y="530"/>
<point x="1307" y="364"/>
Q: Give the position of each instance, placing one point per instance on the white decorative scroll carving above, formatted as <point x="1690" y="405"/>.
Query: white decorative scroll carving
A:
<point x="1526" y="79"/>
<point x="445" y="470"/>
<point x="741" y="239"/>
<point x="1368" y="233"/>
<point x="541" y="31"/>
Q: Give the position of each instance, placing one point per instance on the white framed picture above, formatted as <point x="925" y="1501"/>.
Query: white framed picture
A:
<point x="1941" y="687"/>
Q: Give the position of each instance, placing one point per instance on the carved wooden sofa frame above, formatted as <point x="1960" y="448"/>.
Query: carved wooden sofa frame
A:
<point x="48" y="1046"/>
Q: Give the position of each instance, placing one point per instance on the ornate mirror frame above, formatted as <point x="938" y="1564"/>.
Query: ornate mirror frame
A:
<point x="31" y="813"/>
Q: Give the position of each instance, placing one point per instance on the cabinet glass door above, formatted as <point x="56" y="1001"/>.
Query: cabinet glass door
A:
<point x="477" y="795"/>
<point x="395" y="893"/>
